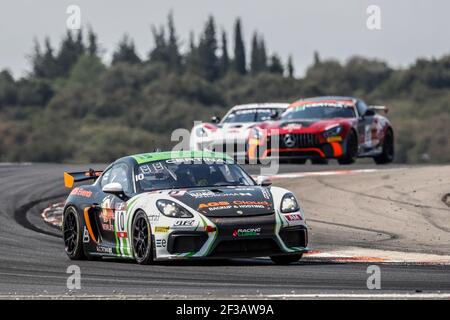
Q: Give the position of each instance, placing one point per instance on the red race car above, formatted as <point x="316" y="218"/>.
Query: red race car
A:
<point x="323" y="128"/>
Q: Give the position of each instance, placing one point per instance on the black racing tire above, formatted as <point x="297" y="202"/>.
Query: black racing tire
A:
<point x="388" y="150"/>
<point x="141" y="238"/>
<point x="73" y="234"/>
<point x="321" y="161"/>
<point x="351" y="149"/>
<point x="286" y="259"/>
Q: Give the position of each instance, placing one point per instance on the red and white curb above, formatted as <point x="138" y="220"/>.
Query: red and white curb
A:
<point x="362" y="255"/>
<point x="53" y="214"/>
<point x="320" y="173"/>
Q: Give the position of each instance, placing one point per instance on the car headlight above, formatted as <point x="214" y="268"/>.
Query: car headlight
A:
<point x="172" y="210"/>
<point x="332" y="132"/>
<point x="201" y="132"/>
<point x="289" y="204"/>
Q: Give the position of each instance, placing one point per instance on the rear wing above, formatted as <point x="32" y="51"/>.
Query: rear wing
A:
<point x="71" y="177"/>
<point x="380" y="108"/>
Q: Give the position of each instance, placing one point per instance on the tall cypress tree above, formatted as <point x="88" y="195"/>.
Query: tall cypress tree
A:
<point x="240" y="64"/>
<point x="224" y="57"/>
<point x="254" y="63"/>
<point x="207" y="51"/>
<point x="262" y="55"/>
<point x="258" y="56"/>
<point x="173" y="54"/>
<point x="92" y="47"/>
<point x="290" y="67"/>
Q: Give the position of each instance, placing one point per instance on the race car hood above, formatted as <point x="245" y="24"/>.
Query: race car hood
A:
<point x="305" y="125"/>
<point x="228" y="201"/>
<point x="232" y="131"/>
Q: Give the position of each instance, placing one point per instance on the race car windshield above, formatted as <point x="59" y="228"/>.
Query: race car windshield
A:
<point x="319" y="112"/>
<point x="250" y="115"/>
<point x="180" y="174"/>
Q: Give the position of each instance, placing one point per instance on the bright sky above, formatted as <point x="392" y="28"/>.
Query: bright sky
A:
<point x="409" y="28"/>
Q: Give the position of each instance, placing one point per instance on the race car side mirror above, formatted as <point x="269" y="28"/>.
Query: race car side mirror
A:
<point x="263" y="181"/>
<point x="114" y="188"/>
<point x="215" y="119"/>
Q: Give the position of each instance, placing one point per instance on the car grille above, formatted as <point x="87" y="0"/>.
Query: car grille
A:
<point x="248" y="247"/>
<point x="301" y="140"/>
<point x="294" y="237"/>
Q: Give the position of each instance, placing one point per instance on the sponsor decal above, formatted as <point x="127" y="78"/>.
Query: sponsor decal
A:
<point x="293" y="217"/>
<point x="80" y="192"/>
<point x="86" y="238"/>
<point x="265" y="193"/>
<point x="213" y="204"/>
<point x="121" y="206"/>
<point x="153" y="218"/>
<point x="122" y="234"/>
<point x="209" y="194"/>
<point x="103" y="249"/>
<point x="162" y="229"/>
<point x="184" y="223"/>
<point x="161" y="243"/>
<point x="249" y="232"/>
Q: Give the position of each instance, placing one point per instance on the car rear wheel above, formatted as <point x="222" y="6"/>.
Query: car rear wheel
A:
<point x="286" y="259"/>
<point x="351" y="150"/>
<point x="141" y="239"/>
<point x="387" y="154"/>
<point x="72" y="234"/>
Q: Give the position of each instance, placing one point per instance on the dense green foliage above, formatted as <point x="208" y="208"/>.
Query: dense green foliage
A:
<point x="74" y="108"/>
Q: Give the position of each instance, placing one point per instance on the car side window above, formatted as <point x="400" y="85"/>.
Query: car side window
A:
<point x="362" y="108"/>
<point x="119" y="173"/>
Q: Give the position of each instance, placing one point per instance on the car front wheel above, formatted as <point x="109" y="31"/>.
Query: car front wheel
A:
<point x="141" y="239"/>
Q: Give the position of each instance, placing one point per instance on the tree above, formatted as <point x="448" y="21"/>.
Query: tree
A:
<point x="159" y="52"/>
<point x="8" y="91"/>
<point x="224" y="61"/>
<point x="173" y="54"/>
<point x="240" y="63"/>
<point x="92" y="48"/>
<point x="44" y="64"/>
<point x="69" y="53"/>
<point x="290" y="67"/>
<point x="258" y="55"/>
<point x="275" y="65"/>
<point x="125" y="52"/>
<point x="316" y="58"/>
<point x="207" y="51"/>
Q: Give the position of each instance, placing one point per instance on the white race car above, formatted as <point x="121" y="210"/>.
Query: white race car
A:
<point x="231" y="134"/>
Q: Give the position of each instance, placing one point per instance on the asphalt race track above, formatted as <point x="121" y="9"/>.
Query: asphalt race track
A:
<point x="391" y="211"/>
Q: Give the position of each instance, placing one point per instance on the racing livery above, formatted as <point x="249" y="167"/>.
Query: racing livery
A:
<point x="180" y="205"/>
<point x="323" y="128"/>
<point x="230" y="134"/>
